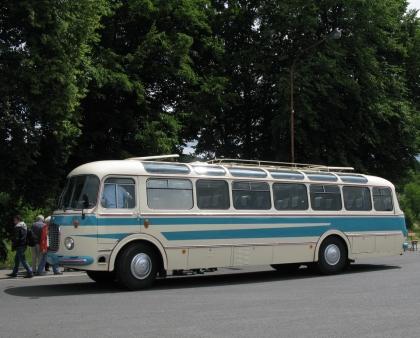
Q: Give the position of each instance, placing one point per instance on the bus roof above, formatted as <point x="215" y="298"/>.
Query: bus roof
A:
<point x="228" y="168"/>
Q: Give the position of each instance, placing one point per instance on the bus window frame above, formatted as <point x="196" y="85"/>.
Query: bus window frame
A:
<point x="168" y="202"/>
<point x="321" y="200"/>
<point x="288" y="203"/>
<point x="132" y="192"/>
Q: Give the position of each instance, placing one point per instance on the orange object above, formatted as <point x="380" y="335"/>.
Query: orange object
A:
<point x="44" y="239"/>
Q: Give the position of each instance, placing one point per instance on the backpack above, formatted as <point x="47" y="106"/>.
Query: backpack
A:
<point x="31" y="238"/>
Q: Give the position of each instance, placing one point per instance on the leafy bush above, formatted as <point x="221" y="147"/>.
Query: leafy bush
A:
<point x="409" y="219"/>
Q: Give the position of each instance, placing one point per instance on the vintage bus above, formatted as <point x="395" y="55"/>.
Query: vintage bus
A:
<point x="136" y="219"/>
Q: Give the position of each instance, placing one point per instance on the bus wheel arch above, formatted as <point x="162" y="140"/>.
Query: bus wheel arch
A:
<point x="331" y="253"/>
<point x="131" y="239"/>
<point x="137" y="265"/>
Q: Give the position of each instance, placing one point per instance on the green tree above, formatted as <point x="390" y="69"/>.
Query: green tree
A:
<point x="412" y="199"/>
<point x="149" y="67"/>
<point x="45" y="69"/>
<point x="352" y="102"/>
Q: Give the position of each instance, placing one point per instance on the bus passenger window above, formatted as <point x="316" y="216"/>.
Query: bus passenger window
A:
<point x="290" y="196"/>
<point x="325" y="197"/>
<point x="119" y="193"/>
<point x="382" y="200"/>
<point x="169" y="194"/>
<point x="357" y="198"/>
<point x="212" y="194"/>
<point x="251" y="195"/>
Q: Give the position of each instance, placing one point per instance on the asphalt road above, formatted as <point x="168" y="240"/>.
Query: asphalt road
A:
<point x="376" y="298"/>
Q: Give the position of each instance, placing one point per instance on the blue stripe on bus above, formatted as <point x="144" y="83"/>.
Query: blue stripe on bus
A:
<point x="117" y="236"/>
<point x="318" y="226"/>
<point x="344" y="225"/>
<point x="367" y="221"/>
<point x="184" y="220"/>
<point x="93" y="221"/>
<point x="246" y="233"/>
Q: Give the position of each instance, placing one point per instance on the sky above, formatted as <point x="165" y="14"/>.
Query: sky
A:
<point x="414" y="4"/>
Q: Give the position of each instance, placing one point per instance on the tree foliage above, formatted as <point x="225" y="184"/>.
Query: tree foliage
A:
<point x="44" y="67"/>
<point x="150" y="64"/>
<point x="85" y="80"/>
<point x="352" y="102"/>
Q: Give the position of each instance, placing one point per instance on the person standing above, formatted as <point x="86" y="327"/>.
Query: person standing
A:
<point x="19" y="244"/>
<point x="110" y="194"/>
<point x="37" y="254"/>
<point x="55" y="267"/>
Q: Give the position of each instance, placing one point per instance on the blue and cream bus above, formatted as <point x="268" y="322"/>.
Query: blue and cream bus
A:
<point x="135" y="220"/>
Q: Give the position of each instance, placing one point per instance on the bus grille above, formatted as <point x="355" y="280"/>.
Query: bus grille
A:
<point x="53" y="237"/>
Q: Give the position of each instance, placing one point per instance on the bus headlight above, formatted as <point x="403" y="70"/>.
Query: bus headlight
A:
<point x="69" y="243"/>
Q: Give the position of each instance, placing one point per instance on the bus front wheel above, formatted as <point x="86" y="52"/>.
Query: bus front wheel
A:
<point x="332" y="256"/>
<point x="137" y="266"/>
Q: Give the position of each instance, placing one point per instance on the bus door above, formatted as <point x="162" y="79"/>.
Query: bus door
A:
<point x="118" y="213"/>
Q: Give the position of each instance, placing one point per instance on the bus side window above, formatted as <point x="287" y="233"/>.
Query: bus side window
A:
<point x="169" y="194"/>
<point x="251" y="195"/>
<point x="382" y="200"/>
<point x="119" y="193"/>
<point x="357" y="198"/>
<point x="212" y="194"/>
<point x="325" y="197"/>
<point x="290" y="196"/>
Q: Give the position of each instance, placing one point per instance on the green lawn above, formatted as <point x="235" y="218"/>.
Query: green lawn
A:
<point x="10" y="262"/>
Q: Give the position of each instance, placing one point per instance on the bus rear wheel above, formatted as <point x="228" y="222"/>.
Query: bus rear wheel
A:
<point x="102" y="277"/>
<point x="332" y="256"/>
<point x="137" y="266"/>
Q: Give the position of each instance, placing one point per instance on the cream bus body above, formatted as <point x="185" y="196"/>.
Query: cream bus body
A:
<point x="204" y="215"/>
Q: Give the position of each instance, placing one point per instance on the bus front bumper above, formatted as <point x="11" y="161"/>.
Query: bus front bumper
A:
<point x="68" y="260"/>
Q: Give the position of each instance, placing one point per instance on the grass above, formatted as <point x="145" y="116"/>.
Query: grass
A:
<point x="10" y="261"/>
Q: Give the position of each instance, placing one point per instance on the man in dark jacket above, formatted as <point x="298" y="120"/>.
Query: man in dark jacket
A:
<point x="19" y="244"/>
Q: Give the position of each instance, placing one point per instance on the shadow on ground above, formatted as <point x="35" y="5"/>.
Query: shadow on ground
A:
<point x="69" y="288"/>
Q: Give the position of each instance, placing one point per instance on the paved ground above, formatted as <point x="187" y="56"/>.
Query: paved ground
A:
<point x="71" y="272"/>
<point x="377" y="298"/>
<point x="49" y="274"/>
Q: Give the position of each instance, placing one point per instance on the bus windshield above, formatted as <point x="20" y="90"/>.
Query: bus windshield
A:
<point x="80" y="192"/>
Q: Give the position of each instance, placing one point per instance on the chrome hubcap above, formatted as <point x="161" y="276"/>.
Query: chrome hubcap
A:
<point x="332" y="254"/>
<point x="141" y="265"/>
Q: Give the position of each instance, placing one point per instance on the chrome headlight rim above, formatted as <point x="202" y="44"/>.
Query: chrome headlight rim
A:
<point x="69" y="243"/>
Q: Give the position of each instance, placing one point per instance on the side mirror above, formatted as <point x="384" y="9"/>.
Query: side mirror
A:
<point x="85" y="204"/>
<point x="85" y="201"/>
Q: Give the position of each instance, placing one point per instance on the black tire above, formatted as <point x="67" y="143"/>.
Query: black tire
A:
<point x="286" y="268"/>
<point x="136" y="266"/>
<point x="102" y="277"/>
<point x="332" y="256"/>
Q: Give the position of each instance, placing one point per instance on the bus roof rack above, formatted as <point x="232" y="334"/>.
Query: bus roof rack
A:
<point x="152" y="158"/>
<point x="276" y="165"/>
